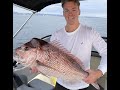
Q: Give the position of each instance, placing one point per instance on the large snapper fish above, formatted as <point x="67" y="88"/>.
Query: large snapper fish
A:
<point x="51" y="59"/>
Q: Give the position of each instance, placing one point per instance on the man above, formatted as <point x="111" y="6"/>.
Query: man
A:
<point x="79" y="39"/>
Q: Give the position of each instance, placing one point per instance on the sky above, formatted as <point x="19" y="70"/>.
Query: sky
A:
<point x="97" y="8"/>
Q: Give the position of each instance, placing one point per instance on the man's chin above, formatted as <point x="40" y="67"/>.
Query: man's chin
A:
<point x="71" y="23"/>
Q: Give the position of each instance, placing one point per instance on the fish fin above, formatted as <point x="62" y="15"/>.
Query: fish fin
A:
<point x="35" y="42"/>
<point x="96" y="85"/>
<point x="62" y="48"/>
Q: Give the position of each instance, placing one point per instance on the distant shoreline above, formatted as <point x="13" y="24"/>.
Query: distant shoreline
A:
<point x="55" y="15"/>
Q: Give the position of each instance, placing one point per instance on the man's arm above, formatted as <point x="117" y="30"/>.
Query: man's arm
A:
<point x="101" y="46"/>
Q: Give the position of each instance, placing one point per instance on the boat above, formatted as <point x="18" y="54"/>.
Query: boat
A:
<point x="22" y="78"/>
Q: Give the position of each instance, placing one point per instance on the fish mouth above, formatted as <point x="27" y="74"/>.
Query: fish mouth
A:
<point x="16" y="56"/>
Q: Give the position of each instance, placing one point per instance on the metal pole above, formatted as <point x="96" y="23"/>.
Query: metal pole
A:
<point x="23" y="25"/>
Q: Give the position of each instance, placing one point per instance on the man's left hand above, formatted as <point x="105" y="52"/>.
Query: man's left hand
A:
<point x="93" y="76"/>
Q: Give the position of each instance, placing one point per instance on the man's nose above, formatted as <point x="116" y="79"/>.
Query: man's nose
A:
<point x="70" y="13"/>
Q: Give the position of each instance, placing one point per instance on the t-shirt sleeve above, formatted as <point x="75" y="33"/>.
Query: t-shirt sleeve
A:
<point x="101" y="47"/>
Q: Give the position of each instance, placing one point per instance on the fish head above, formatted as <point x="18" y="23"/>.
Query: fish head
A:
<point x="27" y="53"/>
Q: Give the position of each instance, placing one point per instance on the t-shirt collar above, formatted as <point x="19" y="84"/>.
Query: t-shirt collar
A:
<point x="71" y="33"/>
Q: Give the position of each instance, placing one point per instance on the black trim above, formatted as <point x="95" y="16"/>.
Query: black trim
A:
<point x="46" y="36"/>
<point x="95" y="54"/>
<point x="36" y="5"/>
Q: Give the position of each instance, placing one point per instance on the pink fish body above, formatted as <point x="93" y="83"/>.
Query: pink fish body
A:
<point x="51" y="59"/>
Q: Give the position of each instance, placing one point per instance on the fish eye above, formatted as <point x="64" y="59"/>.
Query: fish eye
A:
<point x="26" y="48"/>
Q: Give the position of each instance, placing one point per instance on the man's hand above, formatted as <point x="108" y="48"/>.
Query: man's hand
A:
<point x="93" y="76"/>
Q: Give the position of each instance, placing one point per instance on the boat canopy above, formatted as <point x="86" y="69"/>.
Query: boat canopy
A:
<point x="35" y="5"/>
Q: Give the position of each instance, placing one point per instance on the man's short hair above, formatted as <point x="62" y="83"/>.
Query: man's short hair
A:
<point x="75" y="1"/>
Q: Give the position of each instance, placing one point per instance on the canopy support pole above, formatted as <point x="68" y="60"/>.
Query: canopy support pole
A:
<point x="23" y="25"/>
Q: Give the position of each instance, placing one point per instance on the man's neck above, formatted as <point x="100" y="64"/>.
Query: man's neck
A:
<point x="71" y="28"/>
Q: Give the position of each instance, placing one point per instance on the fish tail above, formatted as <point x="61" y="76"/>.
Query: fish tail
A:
<point x="96" y="86"/>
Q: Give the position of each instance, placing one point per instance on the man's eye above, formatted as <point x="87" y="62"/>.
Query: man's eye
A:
<point x="73" y="10"/>
<point x="66" y="11"/>
<point x="26" y="48"/>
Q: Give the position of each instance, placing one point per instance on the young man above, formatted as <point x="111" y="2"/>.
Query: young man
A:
<point x="79" y="39"/>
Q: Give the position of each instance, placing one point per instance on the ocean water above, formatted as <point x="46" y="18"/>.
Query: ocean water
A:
<point x="42" y="25"/>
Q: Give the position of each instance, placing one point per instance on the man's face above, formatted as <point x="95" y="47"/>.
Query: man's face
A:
<point x="71" y="12"/>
